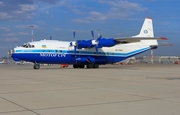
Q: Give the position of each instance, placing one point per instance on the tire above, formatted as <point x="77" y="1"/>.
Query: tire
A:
<point x="36" y="66"/>
<point x="96" y="66"/>
<point x="75" y="66"/>
<point x="81" y="66"/>
<point x="89" y="66"/>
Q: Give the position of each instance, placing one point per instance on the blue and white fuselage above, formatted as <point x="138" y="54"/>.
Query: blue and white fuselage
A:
<point x="59" y="52"/>
<point x="91" y="53"/>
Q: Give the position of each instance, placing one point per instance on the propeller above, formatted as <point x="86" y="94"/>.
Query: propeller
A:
<point x="74" y="43"/>
<point x="95" y="42"/>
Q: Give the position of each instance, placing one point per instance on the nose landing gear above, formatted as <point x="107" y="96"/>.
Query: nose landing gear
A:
<point x="36" y="66"/>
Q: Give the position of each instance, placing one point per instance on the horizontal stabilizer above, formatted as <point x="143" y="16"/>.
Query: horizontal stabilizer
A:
<point x="136" y="39"/>
<point x="164" y="44"/>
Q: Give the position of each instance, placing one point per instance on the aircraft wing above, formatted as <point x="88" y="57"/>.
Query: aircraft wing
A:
<point x="136" y="39"/>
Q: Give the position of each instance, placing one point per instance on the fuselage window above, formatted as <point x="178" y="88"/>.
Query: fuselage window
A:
<point x="49" y="50"/>
<point x="60" y="50"/>
<point x="55" y="50"/>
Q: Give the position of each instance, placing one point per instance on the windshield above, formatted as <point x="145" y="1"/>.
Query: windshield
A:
<point x="28" y="46"/>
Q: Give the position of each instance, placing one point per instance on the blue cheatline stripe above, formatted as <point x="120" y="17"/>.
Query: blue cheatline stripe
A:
<point x="83" y="52"/>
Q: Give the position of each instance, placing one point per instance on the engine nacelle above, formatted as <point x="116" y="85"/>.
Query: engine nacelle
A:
<point x="103" y="42"/>
<point x="84" y="44"/>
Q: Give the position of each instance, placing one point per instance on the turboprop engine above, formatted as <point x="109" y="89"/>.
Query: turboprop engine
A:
<point x="104" y="42"/>
<point x="101" y="42"/>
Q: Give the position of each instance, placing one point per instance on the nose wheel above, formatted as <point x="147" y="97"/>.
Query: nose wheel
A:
<point x="36" y="66"/>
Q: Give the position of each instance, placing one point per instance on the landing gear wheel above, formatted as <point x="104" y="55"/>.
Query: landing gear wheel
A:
<point x="75" y="66"/>
<point x="89" y="66"/>
<point x="81" y="66"/>
<point x="36" y="66"/>
<point x="96" y="66"/>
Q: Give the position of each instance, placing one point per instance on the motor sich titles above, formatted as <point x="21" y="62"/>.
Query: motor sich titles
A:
<point x="52" y="55"/>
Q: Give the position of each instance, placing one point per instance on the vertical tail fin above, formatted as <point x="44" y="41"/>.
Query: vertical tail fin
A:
<point x="147" y="29"/>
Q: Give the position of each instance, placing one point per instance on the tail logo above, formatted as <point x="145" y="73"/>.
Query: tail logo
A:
<point x="145" y="31"/>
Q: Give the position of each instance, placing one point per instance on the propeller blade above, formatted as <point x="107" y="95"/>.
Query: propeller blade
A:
<point x="75" y="50"/>
<point x="92" y="33"/>
<point x="96" y="49"/>
<point x="74" y="43"/>
<point x="74" y="34"/>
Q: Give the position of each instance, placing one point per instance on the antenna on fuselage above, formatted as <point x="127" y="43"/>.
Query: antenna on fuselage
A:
<point x="50" y="37"/>
<point x="32" y="27"/>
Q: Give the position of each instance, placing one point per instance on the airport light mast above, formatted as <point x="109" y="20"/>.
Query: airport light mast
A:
<point x="32" y="27"/>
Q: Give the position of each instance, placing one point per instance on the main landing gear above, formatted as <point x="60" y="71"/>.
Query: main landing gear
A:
<point x="36" y="66"/>
<point x="88" y="66"/>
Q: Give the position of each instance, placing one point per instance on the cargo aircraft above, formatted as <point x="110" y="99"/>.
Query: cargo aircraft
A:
<point x="90" y="53"/>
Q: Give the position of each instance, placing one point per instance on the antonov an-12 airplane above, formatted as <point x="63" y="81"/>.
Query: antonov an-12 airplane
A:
<point x="89" y="53"/>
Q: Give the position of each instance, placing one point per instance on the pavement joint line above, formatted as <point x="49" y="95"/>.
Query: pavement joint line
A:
<point x="93" y="104"/>
<point x="20" y="105"/>
<point x="162" y="99"/>
<point x="13" y="111"/>
<point x="44" y="91"/>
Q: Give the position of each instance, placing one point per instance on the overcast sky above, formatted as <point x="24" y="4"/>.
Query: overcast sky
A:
<point x="115" y="18"/>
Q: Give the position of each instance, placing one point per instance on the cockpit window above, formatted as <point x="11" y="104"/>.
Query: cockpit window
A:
<point x="28" y="46"/>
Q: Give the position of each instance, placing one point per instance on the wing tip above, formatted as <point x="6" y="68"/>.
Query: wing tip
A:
<point x="171" y="44"/>
<point x="163" y="38"/>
